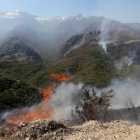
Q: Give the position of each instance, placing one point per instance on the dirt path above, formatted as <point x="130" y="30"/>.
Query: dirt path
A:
<point x="93" y="130"/>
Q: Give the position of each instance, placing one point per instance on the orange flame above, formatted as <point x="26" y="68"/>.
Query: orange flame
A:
<point x="59" y="77"/>
<point x="43" y="110"/>
<point x="38" y="112"/>
<point x="46" y="93"/>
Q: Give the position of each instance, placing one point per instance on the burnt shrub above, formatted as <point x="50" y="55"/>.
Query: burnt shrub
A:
<point x="91" y="107"/>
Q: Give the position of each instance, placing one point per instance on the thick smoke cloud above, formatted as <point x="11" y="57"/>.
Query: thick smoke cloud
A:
<point x="67" y="95"/>
<point x="65" y="98"/>
<point x="123" y="90"/>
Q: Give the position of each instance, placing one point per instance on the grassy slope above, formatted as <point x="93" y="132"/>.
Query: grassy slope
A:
<point x="20" y="70"/>
<point x="90" y="65"/>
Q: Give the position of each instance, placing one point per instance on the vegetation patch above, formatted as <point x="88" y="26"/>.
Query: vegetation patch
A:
<point x="16" y="93"/>
<point x="90" y="64"/>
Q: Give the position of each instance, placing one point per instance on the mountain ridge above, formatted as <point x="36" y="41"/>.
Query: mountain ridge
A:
<point x="50" y="32"/>
<point x="15" y="49"/>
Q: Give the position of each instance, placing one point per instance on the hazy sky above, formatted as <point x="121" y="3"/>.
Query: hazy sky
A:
<point x="121" y="10"/>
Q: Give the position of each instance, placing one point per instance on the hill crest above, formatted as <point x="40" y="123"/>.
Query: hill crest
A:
<point x="15" y="49"/>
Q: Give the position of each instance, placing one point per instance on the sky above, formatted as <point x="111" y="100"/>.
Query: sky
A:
<point x="120" y="10"/>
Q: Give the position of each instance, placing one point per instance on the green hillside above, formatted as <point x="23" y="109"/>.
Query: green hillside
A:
<point x="16" y="93"/>
<point x="90" y="65"/>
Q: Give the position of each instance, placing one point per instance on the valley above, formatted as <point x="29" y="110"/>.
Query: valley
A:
<point x="51" y="66"/>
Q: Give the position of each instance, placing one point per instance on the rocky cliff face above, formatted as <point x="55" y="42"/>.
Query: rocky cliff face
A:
<point x="14" y="49"/>
<point x="76" y="42"/>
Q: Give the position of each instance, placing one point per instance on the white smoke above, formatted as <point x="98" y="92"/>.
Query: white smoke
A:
<point x="130" y="57"/>
<point x="103" y="43"/>
<point x="126" y="60"/>
<point x="64" y="99"/>
<point x="104" y="30"/>
<point x="67" y="96"/>
<point x="124" y="89"/>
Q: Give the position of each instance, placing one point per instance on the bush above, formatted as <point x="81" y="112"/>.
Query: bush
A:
<point x="91" y="107"/>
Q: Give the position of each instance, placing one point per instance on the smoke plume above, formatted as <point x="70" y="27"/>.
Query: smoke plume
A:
<point x="123" y="90"/>
<point x="104" y="30"/>
<point x="65" y="98"/>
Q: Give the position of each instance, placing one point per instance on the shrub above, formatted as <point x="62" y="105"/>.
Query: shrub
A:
<point x="91" y="106"/>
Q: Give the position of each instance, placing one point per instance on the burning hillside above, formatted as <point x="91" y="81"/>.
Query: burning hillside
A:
<point x="58" y="99"/>
<point x="41" y="111"/>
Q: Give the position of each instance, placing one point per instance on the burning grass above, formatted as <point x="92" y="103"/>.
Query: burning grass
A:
<point x="43" y="110"/>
